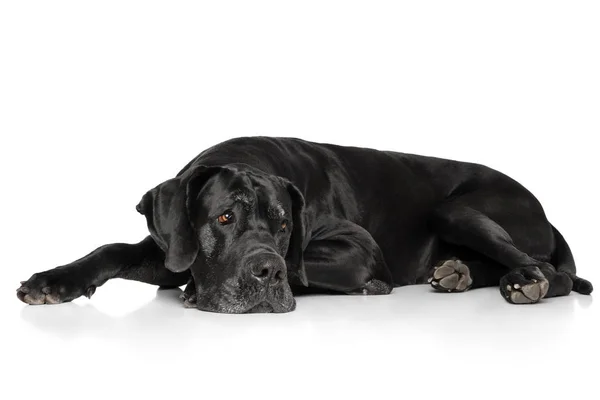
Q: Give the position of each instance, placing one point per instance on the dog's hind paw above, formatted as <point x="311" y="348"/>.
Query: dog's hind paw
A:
<point x="526" y="285"/>
<point x="451" y="276"/>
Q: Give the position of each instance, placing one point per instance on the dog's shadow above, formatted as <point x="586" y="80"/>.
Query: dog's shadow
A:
<point x="73" y="319"/>
<point x="163" y="316"/>
<point x="410" y="308"/>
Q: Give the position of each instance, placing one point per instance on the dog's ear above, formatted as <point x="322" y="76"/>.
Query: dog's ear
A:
<point x="167" y="212"/>
<point x="296" y="247"/>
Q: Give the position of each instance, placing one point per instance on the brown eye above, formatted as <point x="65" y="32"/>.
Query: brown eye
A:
<point x="283" y="225"/>
<point x="226" y="218"/>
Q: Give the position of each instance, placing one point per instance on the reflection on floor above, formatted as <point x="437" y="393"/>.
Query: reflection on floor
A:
<point x="346" y="345"/>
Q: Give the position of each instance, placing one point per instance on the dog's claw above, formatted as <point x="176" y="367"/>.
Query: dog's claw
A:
<point x="190" y="302"/>
<point x="90" y="291"/>
<point x="23" y="289"/>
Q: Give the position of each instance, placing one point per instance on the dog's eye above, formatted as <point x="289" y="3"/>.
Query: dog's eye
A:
<point x="226" y="218"/>
<point x="283" y="225"/>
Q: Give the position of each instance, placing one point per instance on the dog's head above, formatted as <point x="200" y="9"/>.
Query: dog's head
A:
<point x="239" y="230"/>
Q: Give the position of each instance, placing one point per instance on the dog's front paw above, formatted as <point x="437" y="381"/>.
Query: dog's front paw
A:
<point x="189" y="295"/>
<point x="52" y="287"/>
<point x="374" y="287"/>
<point x="525" y="285"/>
<point x="451" y="276"/>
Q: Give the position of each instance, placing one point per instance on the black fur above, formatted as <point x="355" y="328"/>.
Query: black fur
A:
<point x="311" y="217"/>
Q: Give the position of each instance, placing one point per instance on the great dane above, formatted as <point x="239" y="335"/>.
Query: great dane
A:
<point x="252" y="221"/>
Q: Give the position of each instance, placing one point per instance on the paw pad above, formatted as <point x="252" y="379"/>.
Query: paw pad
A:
<point x="451" y="276"/>
<point x="524" y="286"/>
<point x="527" y="294"/>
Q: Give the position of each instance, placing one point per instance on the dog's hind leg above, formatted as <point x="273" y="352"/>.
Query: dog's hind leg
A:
<point x="526" y="279"/>
<point x="143" y="261"/>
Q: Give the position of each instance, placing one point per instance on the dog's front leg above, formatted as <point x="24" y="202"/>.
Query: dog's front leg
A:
<point x="189" y="294"/>
<point x="344" y="257"/>
<point x="142" y="261"/>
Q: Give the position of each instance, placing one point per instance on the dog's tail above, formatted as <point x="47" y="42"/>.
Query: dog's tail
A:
<point x="564" y="262"/>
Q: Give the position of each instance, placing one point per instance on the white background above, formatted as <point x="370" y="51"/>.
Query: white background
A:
<point x="100" y="101"/>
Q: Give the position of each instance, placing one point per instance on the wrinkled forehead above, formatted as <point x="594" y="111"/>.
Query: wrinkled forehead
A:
<point x="246" y="189"/>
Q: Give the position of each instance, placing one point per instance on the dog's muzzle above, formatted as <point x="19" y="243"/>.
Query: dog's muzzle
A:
<point x="266" y="268"/>
<point x="268" y="271"/>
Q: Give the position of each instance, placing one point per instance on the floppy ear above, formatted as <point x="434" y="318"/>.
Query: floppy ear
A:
<point x="167" y="211"/>
<point x="296" y="247"/>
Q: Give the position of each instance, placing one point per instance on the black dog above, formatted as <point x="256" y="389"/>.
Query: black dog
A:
<point x="253" y="220"/>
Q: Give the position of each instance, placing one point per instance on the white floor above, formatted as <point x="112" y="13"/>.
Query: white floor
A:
<point x="132" y="340"/>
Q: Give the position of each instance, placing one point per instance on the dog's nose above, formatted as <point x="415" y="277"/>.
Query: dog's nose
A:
<point x="267" y="269"/>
